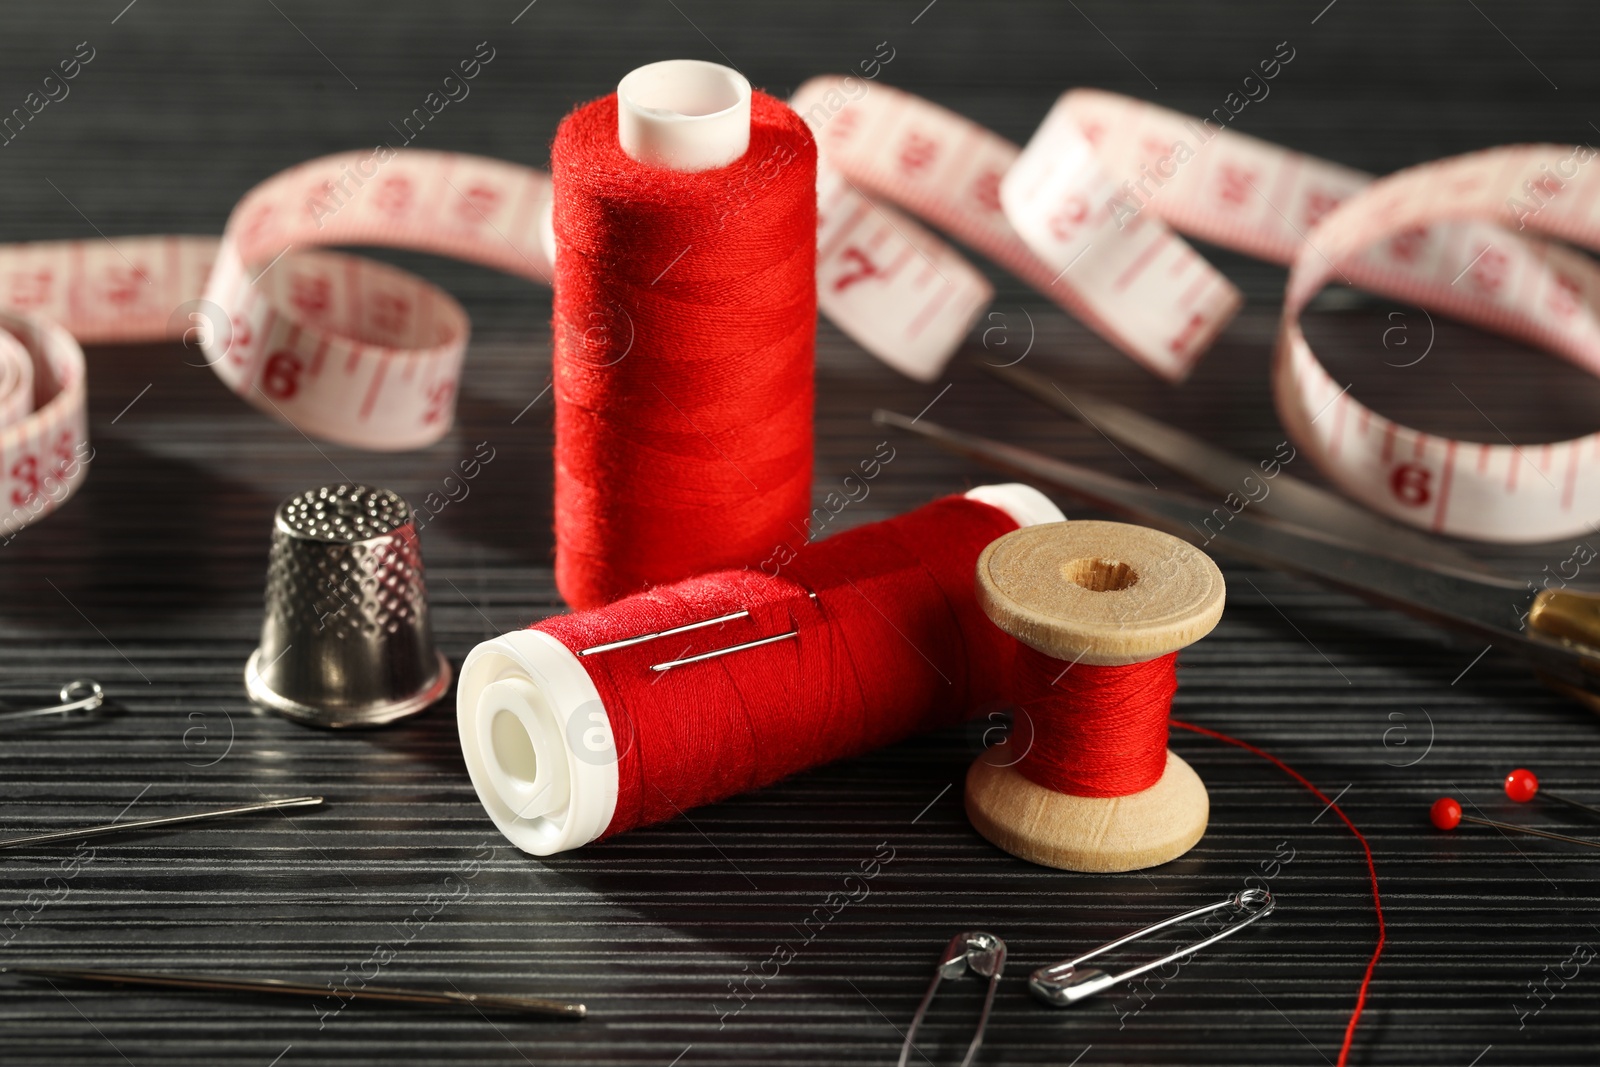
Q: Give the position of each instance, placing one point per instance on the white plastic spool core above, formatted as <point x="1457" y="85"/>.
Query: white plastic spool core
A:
<point x="538" y="741"/>
<point x="684" y="114"/>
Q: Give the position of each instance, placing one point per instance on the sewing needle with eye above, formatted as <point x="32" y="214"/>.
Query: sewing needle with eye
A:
<point x="169" y="820"/>
<point x="391" y="994"/>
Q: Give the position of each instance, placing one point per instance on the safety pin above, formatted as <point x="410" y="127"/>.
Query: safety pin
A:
<point x="70" y="701"/>
<point x="981" y="953"/>
<point x="656" y="635"/>
<point x="1062" y="984"/>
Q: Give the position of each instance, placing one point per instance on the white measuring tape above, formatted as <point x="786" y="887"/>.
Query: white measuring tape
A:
<point x="897" y="290"/>
<point x="1083" y="213"/>
<point x="345" y="348"/>
<point x="1524" y="288"/>
<point x="360" y="353"/>
<point x="951" y="172"/>
<point x="350" y="349"/>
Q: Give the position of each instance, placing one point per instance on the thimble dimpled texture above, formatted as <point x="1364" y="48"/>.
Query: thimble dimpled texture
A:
<point x="352" y="565"/>
<point x="346" y="638"/>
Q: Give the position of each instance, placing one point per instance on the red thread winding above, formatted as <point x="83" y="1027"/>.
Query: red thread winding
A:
<point x="1102" y="732"/>
<point x="685" y="313"/>
<point x="1372" y="872"/>
<point x="894" y="644"/>
<point x="1097" y="731"/>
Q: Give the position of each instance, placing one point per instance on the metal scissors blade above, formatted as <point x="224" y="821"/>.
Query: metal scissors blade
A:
<point x="1290" y="498"/>
<point x="1487" y="607"/>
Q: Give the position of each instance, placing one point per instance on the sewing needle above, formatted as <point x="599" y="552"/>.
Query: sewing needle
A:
<point x="169" y="820"/>
<point x="490" y="1001"/>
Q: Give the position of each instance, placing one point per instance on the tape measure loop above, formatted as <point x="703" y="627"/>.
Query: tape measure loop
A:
<point x="1439" y="236"/>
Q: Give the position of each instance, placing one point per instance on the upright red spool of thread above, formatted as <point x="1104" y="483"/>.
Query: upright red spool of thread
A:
<point x="1100" y="609"/>
<point x="685" y="311"/>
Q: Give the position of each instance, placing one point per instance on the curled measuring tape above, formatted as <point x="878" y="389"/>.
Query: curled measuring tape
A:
<point x="1088" y="209"/>
<point x="897" y="290"/>
<point x="350" y="349"/>
<point x="361" y="353"/>
<point x="345" y="348"/>
<point x="1140" y="287"/>
<point x="44" y="434"/>
<point x="1426" y="235"/>
<point x="1527" y="289"/>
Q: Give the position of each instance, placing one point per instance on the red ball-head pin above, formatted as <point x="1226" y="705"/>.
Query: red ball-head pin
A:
<point x="1522" y="785"/>
<point x="1445" y="813"/>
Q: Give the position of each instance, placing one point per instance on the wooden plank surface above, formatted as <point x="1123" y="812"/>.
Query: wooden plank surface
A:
<point x="150" y="581"/>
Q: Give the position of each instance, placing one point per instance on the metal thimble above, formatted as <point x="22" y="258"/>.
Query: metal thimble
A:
<point x="346" y="640"/>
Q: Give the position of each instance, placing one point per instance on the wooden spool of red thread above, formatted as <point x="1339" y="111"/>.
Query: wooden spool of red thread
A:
<point x="1097" y="594"/>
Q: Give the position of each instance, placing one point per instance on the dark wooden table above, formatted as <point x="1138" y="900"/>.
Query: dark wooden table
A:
<point x="150" y="581"/>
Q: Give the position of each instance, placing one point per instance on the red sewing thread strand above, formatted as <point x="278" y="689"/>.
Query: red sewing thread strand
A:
<point x="894" y="644"/>
<point x="1372" y="871"/>
<point x="685" y="316"/>
<point x="759" y="715"/>
<point x="1097" y="731"/>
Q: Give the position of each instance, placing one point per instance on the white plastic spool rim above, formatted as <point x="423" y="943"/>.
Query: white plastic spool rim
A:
<point x="537" y="738"/>
<point x="684" y="114"/>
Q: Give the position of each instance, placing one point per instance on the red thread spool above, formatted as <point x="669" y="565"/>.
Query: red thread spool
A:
<point x="875" y="634"/>
<point x="685" y="314"/>
<point x="1085" y="782"/>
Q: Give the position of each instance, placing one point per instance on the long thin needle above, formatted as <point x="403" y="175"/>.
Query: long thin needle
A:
<point x="170" y="820"/>
<point x="1530" y="830"/>
<point x="497" y="1002"/>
